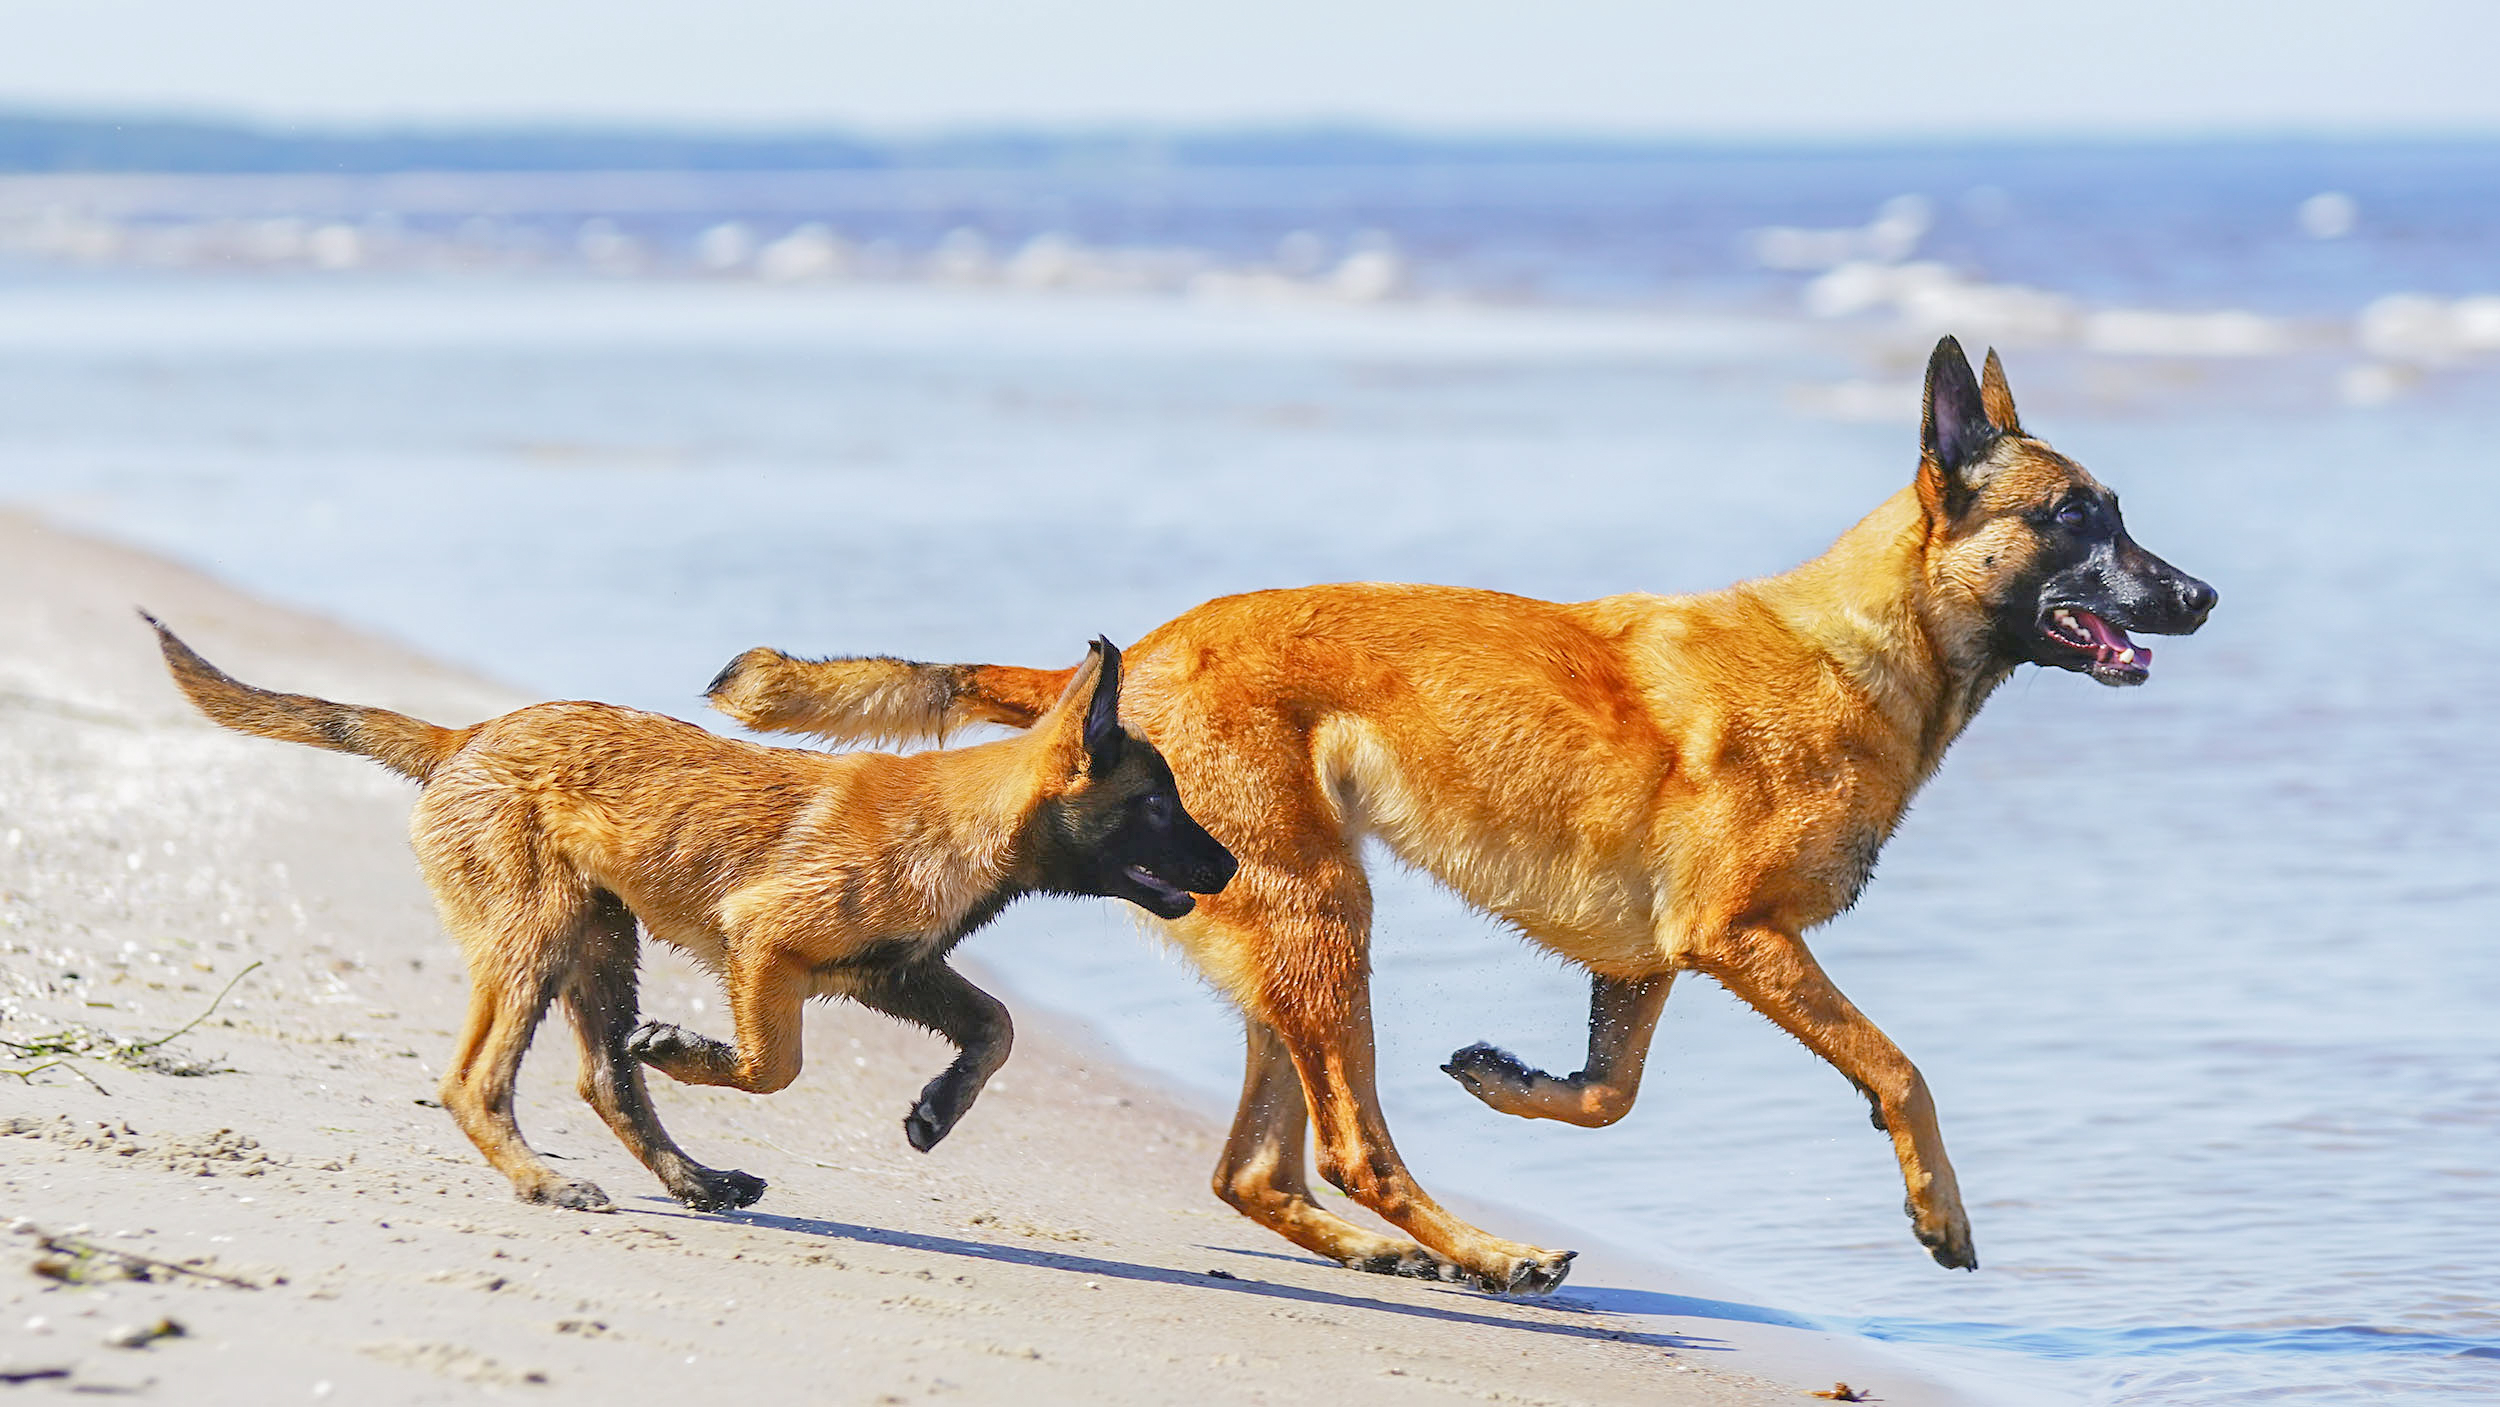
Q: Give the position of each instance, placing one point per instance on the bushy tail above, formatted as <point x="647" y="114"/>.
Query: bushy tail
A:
<point x="878" y="699"/>
<point x="403" y="744"/>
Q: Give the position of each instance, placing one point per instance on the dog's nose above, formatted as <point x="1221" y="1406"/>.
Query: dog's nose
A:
<point x="2196" y="599"/>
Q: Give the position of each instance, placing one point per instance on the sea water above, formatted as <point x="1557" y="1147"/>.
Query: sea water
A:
<point x="2203" y="974"/>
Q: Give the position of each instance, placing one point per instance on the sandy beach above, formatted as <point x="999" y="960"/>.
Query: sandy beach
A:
<point x="338" y="1239"/>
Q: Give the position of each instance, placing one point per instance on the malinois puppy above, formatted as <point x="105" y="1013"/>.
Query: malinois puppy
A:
<point x="546" y="833"/>
<point x="1644" y="785"/>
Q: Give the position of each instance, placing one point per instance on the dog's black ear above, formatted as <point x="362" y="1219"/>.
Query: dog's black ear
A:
<point x="1955" y="434"/>
<point x="1103" y="738"/>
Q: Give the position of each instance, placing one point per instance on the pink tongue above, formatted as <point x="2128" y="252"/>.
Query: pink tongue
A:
<point x="2112" y="640"/>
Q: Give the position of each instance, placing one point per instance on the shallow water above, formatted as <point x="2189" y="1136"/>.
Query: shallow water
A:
<point x="2202" y="974"/>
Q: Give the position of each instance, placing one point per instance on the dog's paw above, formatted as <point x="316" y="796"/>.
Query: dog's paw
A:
<point x="1488" y="1071"/>
<point x="1538" y="1275"/>
<point x="1409" y="1262"/>
<point x="1946" y="1235"/>
<point x="671" y="1049"/>
<point x="657" y="1040"/>
<point x="571" y="1193"/>
<point x="718" y="1189"/>
<point x="925" y="1125"/>
<point x="934" y="1115"/>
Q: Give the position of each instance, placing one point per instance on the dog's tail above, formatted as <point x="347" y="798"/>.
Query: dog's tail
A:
<point x="879" y="699"/>
<point x="403" y="744"/>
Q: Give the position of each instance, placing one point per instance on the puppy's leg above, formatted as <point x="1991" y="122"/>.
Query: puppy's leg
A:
<point x="1773" y="973"/>
<point x="599" y="995"/>
<point x="510" y="981"/>
<point x="766" y="994"/>
<point x="1623" y="1015"/>
<point x="935" y="995"/>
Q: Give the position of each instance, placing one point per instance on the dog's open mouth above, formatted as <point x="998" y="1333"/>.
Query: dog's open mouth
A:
<point x="2097" y="647"/>
<point x="1157" y="897"/>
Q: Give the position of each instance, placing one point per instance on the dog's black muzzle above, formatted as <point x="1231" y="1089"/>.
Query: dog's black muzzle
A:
<point x="1161" y="878"/>
<point x="2087" y="611"/>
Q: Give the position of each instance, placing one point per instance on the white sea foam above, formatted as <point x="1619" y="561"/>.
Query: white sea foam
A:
<point x="725" y="247"/>
<point x="2328" y="215"/>
<point x="1863" y="401"/>
<point x="2411" y="327"/>
<point x="1890" y="237"/>
<point x="812" y="251"/>
<point x="2152" y="333"/>
<point x="1932" y="297"/>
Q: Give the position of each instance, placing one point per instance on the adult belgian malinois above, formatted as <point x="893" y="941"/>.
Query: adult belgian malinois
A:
<point x="1644" y="785"/>
<point x="546" y="833"/>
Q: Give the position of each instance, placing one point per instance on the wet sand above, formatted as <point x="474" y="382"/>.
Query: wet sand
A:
<point x="1060" y="1246"/>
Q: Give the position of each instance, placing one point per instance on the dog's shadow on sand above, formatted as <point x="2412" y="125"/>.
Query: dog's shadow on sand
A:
<point x="1598" y="1302"/>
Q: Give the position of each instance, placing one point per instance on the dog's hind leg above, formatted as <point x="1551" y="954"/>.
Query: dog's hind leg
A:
<point x="936" y="996"/>
<point x="1773" y="973"/>
<point x="1261" y="1175"/>
<point x="1307" y="918"/>
<point x="599" y="996"/>
<point x="1623" y="1016"/>
<point x="1328" y="1030"/>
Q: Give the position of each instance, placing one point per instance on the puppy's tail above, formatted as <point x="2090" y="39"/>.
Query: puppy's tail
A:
<point x="403" y="744"/>
<point x="879" y="699"/>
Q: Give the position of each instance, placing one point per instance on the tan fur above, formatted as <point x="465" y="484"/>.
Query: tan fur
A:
<point x="546" y="833"/>
<point x="1644" y="785"/>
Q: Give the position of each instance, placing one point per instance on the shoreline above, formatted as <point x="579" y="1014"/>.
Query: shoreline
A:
<point x="150" y="858"/>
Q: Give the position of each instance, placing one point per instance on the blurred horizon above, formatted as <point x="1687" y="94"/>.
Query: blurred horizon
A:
<point x="58" y="139"/>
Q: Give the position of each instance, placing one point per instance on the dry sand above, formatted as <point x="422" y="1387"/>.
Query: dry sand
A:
<point x="1061" y="1247"/>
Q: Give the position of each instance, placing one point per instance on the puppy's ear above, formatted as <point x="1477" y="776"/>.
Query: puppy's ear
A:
<point x="1955" y="436"/>
<point x="1103" y="738"/>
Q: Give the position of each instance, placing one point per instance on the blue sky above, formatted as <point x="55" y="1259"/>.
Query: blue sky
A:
<point x="1759" y="68"/>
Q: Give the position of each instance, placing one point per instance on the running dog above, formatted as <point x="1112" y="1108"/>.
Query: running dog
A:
<point x="547" y="833"/>
<point x="1644" y="785"/>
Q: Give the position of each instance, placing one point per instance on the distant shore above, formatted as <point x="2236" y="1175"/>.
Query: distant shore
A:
<point x="1061" y="1247"/>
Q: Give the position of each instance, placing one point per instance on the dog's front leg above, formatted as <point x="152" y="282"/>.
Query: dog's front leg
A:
<point x="766" y="998"/>
<point x="1773" y="973"/>
<point x="935" y="995"/>
<point x="1623" y="1016"/>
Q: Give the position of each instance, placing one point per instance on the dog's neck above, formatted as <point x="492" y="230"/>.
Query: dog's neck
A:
<point x="977" y="866"/>
<point x="1870" y="605"/>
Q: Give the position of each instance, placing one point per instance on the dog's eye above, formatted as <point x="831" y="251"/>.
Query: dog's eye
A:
<point x="1157" y="809"/>
<point x="2072" y="513"/>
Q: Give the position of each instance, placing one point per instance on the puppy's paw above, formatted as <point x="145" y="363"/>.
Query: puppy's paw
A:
<point x="933" y="1116"/>
<point x="675" y="1051"/>
<point x="571" y="1193"/>
<point x="718" y="1189"/>
<point x="1489" y="1072"/>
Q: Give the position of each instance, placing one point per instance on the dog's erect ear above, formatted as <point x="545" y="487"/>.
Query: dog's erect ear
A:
<point x="1997" y="398"/>
<point x="1955" y="434"/>
<point x="1103" y="738"/>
